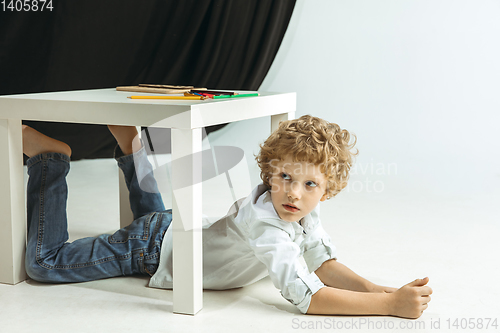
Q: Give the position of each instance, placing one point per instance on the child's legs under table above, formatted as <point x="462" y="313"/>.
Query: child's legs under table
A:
<point x="49" y="258"/>
<point x="143" y="191"/>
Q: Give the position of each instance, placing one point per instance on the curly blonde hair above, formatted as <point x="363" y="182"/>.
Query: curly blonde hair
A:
<point x="313" y="140"/>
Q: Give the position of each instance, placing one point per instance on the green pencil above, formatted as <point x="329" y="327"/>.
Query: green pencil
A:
<point x="235" y="96"/>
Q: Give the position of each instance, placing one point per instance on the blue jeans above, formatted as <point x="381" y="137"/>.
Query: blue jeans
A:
<point x="131" y="250"/>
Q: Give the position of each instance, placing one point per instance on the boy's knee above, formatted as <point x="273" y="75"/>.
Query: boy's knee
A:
<point x="36" y="271"/>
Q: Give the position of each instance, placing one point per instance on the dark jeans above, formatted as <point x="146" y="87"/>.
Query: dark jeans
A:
<point x="131" y="250"/>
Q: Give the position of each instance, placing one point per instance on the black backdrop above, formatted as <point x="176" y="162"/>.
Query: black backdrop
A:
<point x="218" y="44"/>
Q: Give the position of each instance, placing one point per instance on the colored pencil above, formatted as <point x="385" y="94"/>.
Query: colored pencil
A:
<point x="236" y="96"/>
<point x="213" y="92"/>
<point x="168" y="97"/>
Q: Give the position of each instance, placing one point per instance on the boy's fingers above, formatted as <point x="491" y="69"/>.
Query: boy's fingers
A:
<point x="418" y="282"/>
<point x="425" y="280"/>
<point x="425" y="290"/>
<point x="426" y="299"/>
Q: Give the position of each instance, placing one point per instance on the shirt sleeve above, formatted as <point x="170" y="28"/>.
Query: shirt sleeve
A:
<point x="318" y="248"/>
<point x="274" y="247"/>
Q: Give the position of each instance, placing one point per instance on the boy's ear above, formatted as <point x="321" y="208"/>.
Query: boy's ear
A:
<point x="324" y="197"/>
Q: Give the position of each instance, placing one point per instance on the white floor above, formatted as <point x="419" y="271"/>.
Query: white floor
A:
<point x="390" y="234"/>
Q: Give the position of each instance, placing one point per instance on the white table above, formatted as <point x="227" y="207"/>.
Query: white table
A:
<point x="108" y="106"/>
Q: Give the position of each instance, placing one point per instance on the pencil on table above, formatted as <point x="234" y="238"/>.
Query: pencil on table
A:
<point x="167" y="97"/>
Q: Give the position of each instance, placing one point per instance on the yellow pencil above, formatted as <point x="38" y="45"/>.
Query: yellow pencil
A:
<point x="167" y="97"/>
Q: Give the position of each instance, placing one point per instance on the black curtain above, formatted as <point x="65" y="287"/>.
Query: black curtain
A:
<point x="218" y="44"/>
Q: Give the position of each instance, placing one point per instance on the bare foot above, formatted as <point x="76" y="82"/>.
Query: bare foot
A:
<point x="127" y="138"/>
<point x="35" y="143"/>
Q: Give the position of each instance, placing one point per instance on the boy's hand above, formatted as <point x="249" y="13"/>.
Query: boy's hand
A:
<point x="381" y="289"/>
<point x="387" y="289"/>
<point x="411" y="300"/>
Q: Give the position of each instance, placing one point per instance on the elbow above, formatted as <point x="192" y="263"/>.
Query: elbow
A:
<point x="325" y="269"/>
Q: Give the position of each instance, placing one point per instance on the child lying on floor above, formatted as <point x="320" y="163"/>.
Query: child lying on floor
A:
<point x="305" y="161"/>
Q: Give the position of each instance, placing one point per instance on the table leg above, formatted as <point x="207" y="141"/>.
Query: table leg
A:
<point x="186" y="223"/>
<point x="12" y="203"/>
<point x="275" y="120"/>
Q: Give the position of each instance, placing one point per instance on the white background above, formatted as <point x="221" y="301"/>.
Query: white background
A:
<point x="418" y="83"/>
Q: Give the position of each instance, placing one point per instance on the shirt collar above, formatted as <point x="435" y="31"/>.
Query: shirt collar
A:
<point x="264" y="210"/>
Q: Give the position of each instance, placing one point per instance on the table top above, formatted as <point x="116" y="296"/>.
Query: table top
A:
<point x="108" y="106"/>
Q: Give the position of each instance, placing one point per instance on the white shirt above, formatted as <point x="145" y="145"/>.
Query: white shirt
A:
<point x="250" y="242"/>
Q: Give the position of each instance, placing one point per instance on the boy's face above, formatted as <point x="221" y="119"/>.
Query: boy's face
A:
<point x="296" y="188"/>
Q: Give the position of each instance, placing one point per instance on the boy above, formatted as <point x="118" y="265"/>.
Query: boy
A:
<point x="305" y="161"/>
